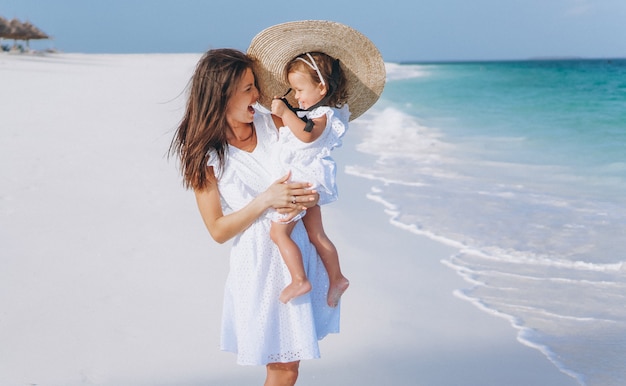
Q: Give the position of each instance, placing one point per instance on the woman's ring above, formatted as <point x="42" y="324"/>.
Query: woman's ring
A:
<point x="293" y="199"/>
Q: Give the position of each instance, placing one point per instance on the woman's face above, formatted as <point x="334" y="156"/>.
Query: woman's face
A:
<point x="307" y="92"/>
<point x="239" y="108"/>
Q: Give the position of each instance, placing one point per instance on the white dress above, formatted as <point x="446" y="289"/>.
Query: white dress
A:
<point x="255" y="324"/>
<point x="312" y="162"/>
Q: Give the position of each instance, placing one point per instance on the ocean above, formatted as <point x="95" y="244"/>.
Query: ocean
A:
<point x="521" y="166"/>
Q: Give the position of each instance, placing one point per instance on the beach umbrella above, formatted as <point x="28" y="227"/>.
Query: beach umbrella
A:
<point x="32" y="32"/>
<point x="4" y="27"/>
<point x="16" y="30"/>
<point x="24" y="31"/>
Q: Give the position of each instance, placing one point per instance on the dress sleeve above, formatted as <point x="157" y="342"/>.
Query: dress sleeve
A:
<point x="338" y="120"/>
<point x="214" y="162"/>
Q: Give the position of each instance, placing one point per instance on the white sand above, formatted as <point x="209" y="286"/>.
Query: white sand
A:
<point x="108" y="277"/>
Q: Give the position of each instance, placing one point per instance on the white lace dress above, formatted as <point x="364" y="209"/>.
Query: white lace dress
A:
<point x="312" y="162"/>
<point x="255" y="324"/>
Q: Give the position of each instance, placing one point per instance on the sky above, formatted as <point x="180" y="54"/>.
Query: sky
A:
<point x="403" y="30"/>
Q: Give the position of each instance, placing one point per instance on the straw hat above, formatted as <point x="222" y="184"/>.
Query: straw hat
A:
<point x="360" y="60"/>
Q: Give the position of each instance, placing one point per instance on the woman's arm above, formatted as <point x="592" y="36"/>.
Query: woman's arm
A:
<point x="279" y="195"/>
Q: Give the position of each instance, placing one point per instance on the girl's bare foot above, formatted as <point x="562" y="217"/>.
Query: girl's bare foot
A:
<point x="335" y="290"/>
<point x="295" y="289"/>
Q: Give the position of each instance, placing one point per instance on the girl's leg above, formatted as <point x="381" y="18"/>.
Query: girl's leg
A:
<point x="281" y="235"/>
<point x="338" y="283"/>
<point x="282" y="374"/>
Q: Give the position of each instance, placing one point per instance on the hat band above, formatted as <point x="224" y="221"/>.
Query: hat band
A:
<point x="313" y="65"/>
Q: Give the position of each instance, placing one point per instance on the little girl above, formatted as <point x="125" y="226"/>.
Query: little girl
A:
<point x="306" y="140"/>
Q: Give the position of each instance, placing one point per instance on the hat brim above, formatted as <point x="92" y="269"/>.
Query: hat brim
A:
<point x="362" y="63"/>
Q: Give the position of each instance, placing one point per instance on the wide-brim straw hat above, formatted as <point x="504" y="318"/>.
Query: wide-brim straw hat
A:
<point x="361" y="62"/>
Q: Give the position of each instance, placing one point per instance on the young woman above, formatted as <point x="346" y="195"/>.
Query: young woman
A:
<point x="224" y="145"/>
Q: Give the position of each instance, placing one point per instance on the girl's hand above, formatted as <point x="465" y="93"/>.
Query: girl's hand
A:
<point x="278" y="107"/>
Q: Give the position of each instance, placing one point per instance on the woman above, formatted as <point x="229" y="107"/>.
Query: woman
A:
<point x="225" y="147"/>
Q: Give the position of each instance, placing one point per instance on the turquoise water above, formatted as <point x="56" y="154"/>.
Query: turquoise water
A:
<point x="568" y="112"/>
<point x="522" y="166"/>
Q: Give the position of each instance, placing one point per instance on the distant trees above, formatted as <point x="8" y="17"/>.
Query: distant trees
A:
<point x="17" y="30"/>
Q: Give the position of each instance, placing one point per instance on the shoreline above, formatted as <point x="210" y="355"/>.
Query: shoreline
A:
<point x="420" y="286"/>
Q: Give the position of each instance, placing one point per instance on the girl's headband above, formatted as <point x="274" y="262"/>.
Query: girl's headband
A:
<point x="313" y="65"/>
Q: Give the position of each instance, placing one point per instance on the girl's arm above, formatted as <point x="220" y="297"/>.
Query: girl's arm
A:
<point x="296" y="125"/>
<point x="279" y="195"/>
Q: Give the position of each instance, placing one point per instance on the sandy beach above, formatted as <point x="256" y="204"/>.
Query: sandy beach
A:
<point x="108" y="276"/>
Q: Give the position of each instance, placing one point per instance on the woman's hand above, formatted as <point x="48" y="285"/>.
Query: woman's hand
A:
<point x="308" y="198"/>
<point x="287" y="197"/>
<point x="290" y="196"/>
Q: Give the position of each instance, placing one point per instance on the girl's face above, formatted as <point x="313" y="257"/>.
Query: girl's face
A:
<point x="239" y="109"/>
<point x="308" y="93"/>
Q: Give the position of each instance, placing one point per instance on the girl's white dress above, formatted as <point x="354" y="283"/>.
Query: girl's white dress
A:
<point x="255" y="324"/>
<point x="312" y="162"/>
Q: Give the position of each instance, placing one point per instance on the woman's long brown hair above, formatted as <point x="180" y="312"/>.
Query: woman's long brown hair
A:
<point x="203" y="127"/>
